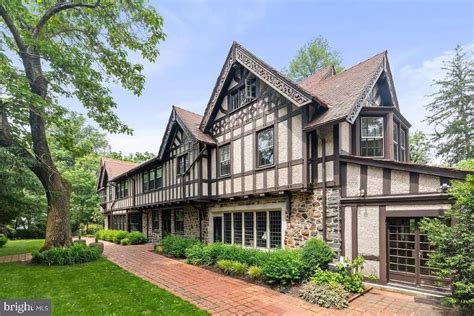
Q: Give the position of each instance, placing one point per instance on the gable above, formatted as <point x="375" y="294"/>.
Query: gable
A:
<point x="239" y="55"/>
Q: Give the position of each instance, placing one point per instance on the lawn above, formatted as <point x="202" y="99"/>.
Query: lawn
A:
<point x="13" y="247"/>
<point x="96" y="288"/>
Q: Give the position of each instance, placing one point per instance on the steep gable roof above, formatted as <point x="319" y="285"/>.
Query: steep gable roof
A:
<point x="237" y="53"/>
<point x="312" y="81"/>
<point x="113" y="168"/>
<point x="346" y="92"/>
<point x="189" y="122"/>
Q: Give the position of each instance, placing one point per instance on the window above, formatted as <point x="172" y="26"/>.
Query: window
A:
<point x="403" y="152"/>
<point x="109" y="188"/>
<point x="248" y="227"/>
<point x="179" y="222"/>
<point x="155" y="221"/>
<point x="125" y="188"/>
<point x="182" y="163"/>
<point x="275" y="229"/>
<point x="372" y="136"/>
<point x="261" y="229"/>
<point x="395" y="141"/>
<point x="224" y="160"/>
<point x="228" y="228"/>
<point x="151" y="186"/>
<point x="237" y="228"/>
<point x="121" y="190"/>
<point x="265" y="147"/>
<point x="146" y="181"/>
<point x="159" y="177"/>
<point x="243" y="94"/>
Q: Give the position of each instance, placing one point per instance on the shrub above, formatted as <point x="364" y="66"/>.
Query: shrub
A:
<point x="119" y="235"/>
<point x="125" y="242"/>
<point x="137" y="238"/>
<point x="349" y="275"/>
<point x="176" y="245"/>
<point x="196" y="255"/>
<point x="232" y="267"/>
<point x="90" y="229"/>
<point x="77" y="253"/>
<point x="282" y="267"/>
<point x="316" y="254"/>
<point x="325" y="295"/>
<point x="109" y="234"/>
<point x="255" y="272"/>
<point x="3" y="240"/>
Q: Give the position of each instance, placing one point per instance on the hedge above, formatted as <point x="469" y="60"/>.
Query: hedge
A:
<point x="77" y="253"/>
<point x="116" y="236"/>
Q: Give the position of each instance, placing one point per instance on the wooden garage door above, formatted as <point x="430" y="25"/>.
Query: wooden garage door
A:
<point x="408" y="253"/>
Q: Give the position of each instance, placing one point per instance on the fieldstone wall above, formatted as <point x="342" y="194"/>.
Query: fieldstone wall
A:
<point x="154" y="236"/>
<point x="305" y="220"/>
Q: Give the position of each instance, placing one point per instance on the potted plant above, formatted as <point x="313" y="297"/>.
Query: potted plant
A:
<point x="98" y="245"/>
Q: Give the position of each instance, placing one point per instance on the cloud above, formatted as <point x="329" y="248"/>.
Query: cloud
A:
<point x="415" y="85"/>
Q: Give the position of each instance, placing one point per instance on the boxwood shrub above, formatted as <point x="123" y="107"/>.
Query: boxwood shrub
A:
<point x="119" y="235"/>
<point x="316" y="254"/>
<point x="136" y="238"/>
<point x="176" y="246"/>
<point x="3" y="240"/>
<point x="77" y="253"/>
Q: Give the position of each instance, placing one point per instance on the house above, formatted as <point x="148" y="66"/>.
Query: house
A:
<point x="272" y="163"/>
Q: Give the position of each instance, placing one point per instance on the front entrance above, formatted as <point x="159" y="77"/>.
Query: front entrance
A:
<point x="408" y="253"/>
<point x="166" y="224"/>
<point x="135" y="222"/>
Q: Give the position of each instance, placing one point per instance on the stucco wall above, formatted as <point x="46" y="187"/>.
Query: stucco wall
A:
<point x="400" y="182"/>
<point x="368" y="230"/>
<point x="374" y="181"/>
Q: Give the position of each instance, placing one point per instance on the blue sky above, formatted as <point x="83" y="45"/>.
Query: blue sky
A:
<point x="417" y="34"/>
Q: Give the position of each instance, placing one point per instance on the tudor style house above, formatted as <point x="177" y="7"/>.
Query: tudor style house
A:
<point x="272" y="163"/>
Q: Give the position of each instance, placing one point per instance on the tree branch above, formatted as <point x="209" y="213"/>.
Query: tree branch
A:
<point x="11" y="26"/>
<point x="60" y="6"/>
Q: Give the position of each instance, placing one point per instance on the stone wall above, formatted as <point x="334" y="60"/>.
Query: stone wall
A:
<point x="305" y="219"/>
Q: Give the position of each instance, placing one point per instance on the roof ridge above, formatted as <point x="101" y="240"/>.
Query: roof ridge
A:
<point x="358" y="64"/>
<point x="181" y="108"/>
<point x="119" y="160"/>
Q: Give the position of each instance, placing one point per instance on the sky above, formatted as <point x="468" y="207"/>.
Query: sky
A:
<point x="418" y="35"/>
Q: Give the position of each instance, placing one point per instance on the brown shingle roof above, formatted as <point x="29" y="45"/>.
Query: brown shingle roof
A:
<point x="312" y="81"/>
<point x="342" y="91"/>
<point x="116" y="167"/>
<point x="192" y="121"/>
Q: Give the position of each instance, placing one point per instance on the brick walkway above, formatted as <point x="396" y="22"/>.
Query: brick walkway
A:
<point x="16" y="258"/>
<point x="219" y="294"/>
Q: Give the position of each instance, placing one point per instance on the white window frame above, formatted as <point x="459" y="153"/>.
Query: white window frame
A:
<point x="373" y="137"/>
<point x="224" y="162"/>
<point x="272" y="146"/>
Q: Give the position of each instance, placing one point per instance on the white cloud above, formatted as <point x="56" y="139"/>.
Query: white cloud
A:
<point x="415" y="85"/>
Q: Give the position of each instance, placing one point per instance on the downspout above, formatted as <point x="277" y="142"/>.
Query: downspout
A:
<point x="323" y="150"/>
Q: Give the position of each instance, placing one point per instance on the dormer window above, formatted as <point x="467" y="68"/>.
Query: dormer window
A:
<point x="243" y="93"/>
<point x="371" y="143"/>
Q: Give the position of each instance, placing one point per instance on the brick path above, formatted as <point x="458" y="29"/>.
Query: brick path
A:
<point x="219" y="294"/>
<point x="16" y="258"/>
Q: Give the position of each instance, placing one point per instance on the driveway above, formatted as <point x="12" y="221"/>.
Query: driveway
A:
<point x="222" y="295"/>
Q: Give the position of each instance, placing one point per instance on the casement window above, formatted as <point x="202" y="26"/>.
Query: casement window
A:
<point x="182" y="163"/>
<point x="403" y="151"/>
<point x="265" y="147"/>
<point x="224" y="160"/>
<point x="395" y="141"/>
<point x="151" y="185"/>
<point x="146" y="181"/>
<point x="159" y="177"/>
<point x="371" y="143"/>
<point x="179" y="222"/>
<point x="155" y="221"/>
<point x="245" y="93"/>
<point x="121" y="190"/>
<point x="257" y="229"/>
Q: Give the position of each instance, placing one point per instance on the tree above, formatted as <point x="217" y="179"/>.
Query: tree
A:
<point x="419" y="148"/>
<point x="313" y="56"/>
<point x="453" y="244"/>
<point x="137" y="157"/>
<point x="452" y="110"/>
<point x="68" y="49"/>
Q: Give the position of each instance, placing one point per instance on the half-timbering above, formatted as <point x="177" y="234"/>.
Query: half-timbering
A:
<point x="272" y="163"/>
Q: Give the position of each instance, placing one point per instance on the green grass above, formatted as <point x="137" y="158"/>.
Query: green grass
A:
<point x="14" y="247"/>
<point x="96" y="288"/>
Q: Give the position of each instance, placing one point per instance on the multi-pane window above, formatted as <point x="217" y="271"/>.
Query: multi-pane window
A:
<point x="224" y="160"/>
<point x="151" y="186"/>
<point x="159" y="177"/>
<point x="371" y="143"/>
<point x="121" y="190"/>
<point x="245" y="93"/>
<point x="395" y="141"/>
<point x="265" y="147"/>
<point x="237" y="228"/>
<point x="260" y="229"/>
<point x="179" y="222"/>
<point x="146" y="181"/>
<point x="109" y="188"/>
<point x="228" y="228"/>
<point x="248" y="227"/>
<point x="403" y="151"/>
<point x="155" y="221"/>
<point x="182" y="163"/>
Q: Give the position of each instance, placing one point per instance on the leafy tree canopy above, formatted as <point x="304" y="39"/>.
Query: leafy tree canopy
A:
<point x="313" y="56"/>
<point x="419" y="148"/>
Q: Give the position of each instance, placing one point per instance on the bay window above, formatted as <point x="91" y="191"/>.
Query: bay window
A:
<point x="403" y="151"/>
<point x="371" y="143"/>
<point x="395" y="141"/>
